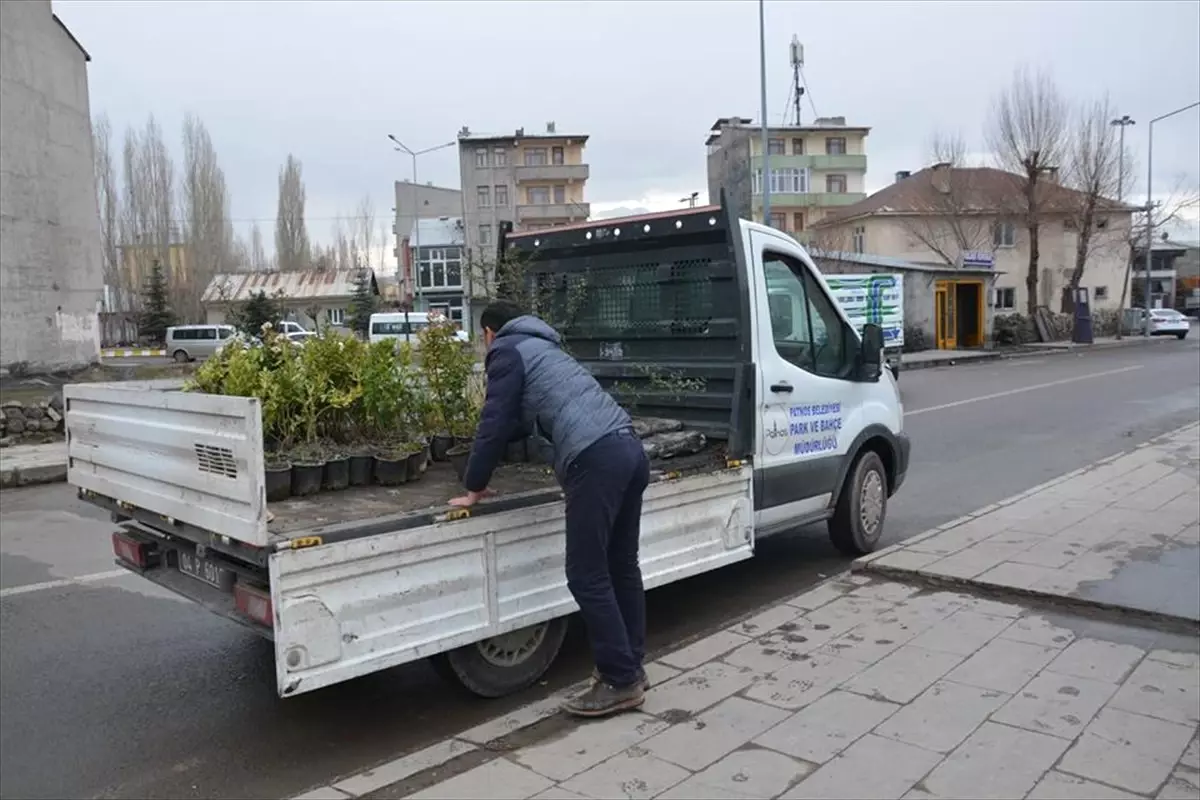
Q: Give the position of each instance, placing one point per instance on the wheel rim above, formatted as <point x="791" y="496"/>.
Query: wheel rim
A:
<point x="512" y="649"/>
<point x="870" y="502"/>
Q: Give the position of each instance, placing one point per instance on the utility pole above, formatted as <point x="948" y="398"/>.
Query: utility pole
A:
<point x="765" y="183"/>
<point x="1124" y="122"/>
<point x="1150" y="203"/>
<point x="417" y="209"/>
<point x="690" y="199"/>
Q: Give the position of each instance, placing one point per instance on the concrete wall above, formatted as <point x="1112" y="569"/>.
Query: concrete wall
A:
<point x="421" y="202"/>
<point x="51" y="275"/>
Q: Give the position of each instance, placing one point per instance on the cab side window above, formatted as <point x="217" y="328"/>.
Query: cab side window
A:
<point x="805" y="325"/>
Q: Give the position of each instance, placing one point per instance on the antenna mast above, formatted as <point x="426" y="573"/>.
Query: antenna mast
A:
<point x="797" y="54"/>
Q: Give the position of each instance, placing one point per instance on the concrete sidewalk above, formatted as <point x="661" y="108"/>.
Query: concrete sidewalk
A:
<point x="928" y="359"/>
<point x="32" y="464"/>
<point x="872" y="687"/>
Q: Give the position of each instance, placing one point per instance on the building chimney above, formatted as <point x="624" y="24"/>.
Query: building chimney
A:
<point x="550" y="127"/>
<point x="941" y="176"/>
<point x="902" y="174"/>
<point x="1051" y="174"/>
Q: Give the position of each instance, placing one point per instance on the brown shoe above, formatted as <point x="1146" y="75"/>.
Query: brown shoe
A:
<point x="642" y="678"/>
<point x="602" y="700"/>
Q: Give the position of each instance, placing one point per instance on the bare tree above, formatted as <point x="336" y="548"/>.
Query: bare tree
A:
<point x="207" y="227"/>
<point x="258" y="253"/>
<point x="108" y="199"/>
<point x="364" y="232"/>
<point x="292" y="250"/>
<point x="1026" y="132"/>
<point x="948" y="148"/>
<point x="951" y="217"/>
<point x="148" y="211"/>
<point x="1093" y="170"/>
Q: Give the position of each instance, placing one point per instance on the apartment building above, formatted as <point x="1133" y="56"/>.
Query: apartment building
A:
<point x="439" y="281"/>
<point x="812" y="169"/>
<point x="534" y="180"/>
<point x="414" y="202"/>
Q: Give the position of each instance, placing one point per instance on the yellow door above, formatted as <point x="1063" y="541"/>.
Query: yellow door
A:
<point x="947" y="338"/>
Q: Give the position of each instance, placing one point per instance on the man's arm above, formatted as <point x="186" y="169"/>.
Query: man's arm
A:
<point x="500" y="418"/>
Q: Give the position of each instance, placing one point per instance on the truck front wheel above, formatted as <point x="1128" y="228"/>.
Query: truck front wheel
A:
<point x="857" y="520"/>
<point x="504" y="664"/>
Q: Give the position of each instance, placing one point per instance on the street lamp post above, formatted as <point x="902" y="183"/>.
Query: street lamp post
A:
<point x="1150" y="203"/>
<point x="765" y="182"/>
<point x="1124" y="122"/>
<point x="400" y="146"/>
<point x="690" y="199"/>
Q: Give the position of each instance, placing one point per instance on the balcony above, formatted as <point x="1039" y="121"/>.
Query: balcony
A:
<point x="554" y="211"/>
<point x="563" y="173"/>
<point x="818" y="162"/>
<point x="785" y="201"/>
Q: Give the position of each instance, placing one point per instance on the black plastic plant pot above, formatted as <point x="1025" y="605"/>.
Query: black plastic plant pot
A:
<point x="515" y="453"/>
<point x="459" y="455"/>
<point x="306" y="478"/>
<point x="337" y="474"/>
<point x="439" y="446"/>
<point x="362" y="468"/>
<point x="391" y="470"/>
<point x="415" y="464"/>
<point x="278" y="481"/>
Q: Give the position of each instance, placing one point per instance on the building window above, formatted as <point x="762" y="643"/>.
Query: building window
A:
<point x="538" y="195"/>
<point x="785" y="180"/>
<point x="779" y="220"/>
<point x="451" y="308"/>
<point x="835" y="184"/>
<point x="776" y="147"/>
<point x="1004" y="299"/>
<point x="481" y="159"/>
<point x="835" y="146"/>
<point x="485" y="234"/>
<point x="337" y="316"/>
<point x="500" y="157"/>
<point x="441" y="268"/>
<point x="535" y="156"/>
<point x="501" y="197"/>
<point x="1004" y="234"/>
<point x="859" y="240"/>
<point x="1101" y="293"/>
<point x="798" y="221"/>
<point x="556" y="155"/>
<point x="483" y="196"/>
<point x="797" y="147"/>
<point x="560" y="194"/>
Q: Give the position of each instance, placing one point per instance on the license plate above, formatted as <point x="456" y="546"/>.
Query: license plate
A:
<point x="203" y="570"/>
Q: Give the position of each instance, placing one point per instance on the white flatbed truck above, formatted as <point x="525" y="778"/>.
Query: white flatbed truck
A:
<point x="802" y="425"/>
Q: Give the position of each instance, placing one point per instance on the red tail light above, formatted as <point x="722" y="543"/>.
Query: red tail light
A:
<point x="255" y="604"/>
<point x="138" y="553"/>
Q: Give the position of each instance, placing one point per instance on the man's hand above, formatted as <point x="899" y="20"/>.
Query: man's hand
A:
<point x="470" y="498"/>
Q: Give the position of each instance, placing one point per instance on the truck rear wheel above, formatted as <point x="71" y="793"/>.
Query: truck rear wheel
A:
<point x="504" y="664"/>
<point x="857" y="520"/>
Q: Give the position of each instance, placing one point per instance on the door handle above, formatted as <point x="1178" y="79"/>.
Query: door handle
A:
<point x="781" y="387"/>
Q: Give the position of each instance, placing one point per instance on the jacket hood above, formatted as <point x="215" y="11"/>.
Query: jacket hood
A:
<point x="529" y="325"/>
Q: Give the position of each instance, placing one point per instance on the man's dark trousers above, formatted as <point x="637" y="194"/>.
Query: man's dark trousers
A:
<point x="604" y="487"/>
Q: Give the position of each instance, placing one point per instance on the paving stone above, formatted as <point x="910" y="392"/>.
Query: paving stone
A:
<point x="1176" y="657"/>
<point x="905" y="559"/>
<point x="828" y="726"/>
<point x="403" y="767"/>
<point x="943" y="716"/>
<point x="871" y="767"/>
<point x="1003" y="665"/>
<point x="749" y="773"/>
<point x="963" y="632"/>
<point x="991" y="608"/>
<point x="520" y="718"/>
<point x="1099" y="660"/>
<point x="1191" y="756"/>
<point x="700" y="688"/>
<point x="1184" y="784"/>
<point x="845" y="613"/>
<point x="887" y="591"/>
<point x="1159" y="689"/>
<point x="558" y="793"/>
<point x="765" y="621"/>
<point x="996" y="761"/>
<point x="1060" y="705"/>
<point x="1012" y="575"/>
<point x="1036" y="629"/>
<point x="1055" y="552"/>
<point x="1127" y="750"/>
<point x="903" y="675"/>
<point x="586" y="746"/>
<point x="722" y="729"/>
<point x="780" y="648"/>
<point x="657" y="672"/>
<point x="499" y="779"/>
<point x="705" y="649"/>
<point x="803" y="681"/>
<point x="870" y="641"/>
<point x="1058" y="786"/>
<point x="825" y="593"/>
<point x="634" y="774"/>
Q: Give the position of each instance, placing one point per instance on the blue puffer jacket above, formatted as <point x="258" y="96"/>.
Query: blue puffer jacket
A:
<point x="533" y="387"/>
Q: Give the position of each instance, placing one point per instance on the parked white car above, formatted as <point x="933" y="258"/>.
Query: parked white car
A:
<point x="1163" y="322"/>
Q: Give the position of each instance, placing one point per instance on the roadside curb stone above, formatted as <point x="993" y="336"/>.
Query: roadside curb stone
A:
<point x="31" y="465"/>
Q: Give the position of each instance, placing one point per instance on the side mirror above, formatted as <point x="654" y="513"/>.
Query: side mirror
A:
<point x="870" y="355"/>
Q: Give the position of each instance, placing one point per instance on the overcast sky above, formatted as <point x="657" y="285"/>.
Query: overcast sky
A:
<point x="329" y="81"/>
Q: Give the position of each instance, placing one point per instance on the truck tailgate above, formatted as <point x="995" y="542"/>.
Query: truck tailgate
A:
<point x="194" y="458"/>
<point x="350" y="608"/>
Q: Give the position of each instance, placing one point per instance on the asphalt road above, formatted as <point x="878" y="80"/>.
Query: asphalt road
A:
<point x="112" y="688"/>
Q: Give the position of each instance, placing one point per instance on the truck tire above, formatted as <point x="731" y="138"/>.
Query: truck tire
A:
<point x="504" y="664"/>
<point x="857" y="520"/>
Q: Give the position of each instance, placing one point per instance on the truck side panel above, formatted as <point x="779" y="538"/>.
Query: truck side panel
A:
<point x="195" y="458"/>
<point x="348" y="609"/>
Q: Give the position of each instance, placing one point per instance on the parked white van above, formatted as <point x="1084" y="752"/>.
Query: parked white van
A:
<point x="190" y="342"/>
<point x="402" y="325"/>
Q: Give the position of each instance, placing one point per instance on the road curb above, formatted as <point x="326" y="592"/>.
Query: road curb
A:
<point x="977" y="357"/>
<point x="16" y="477"/>
<point x="132" y="352"/>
